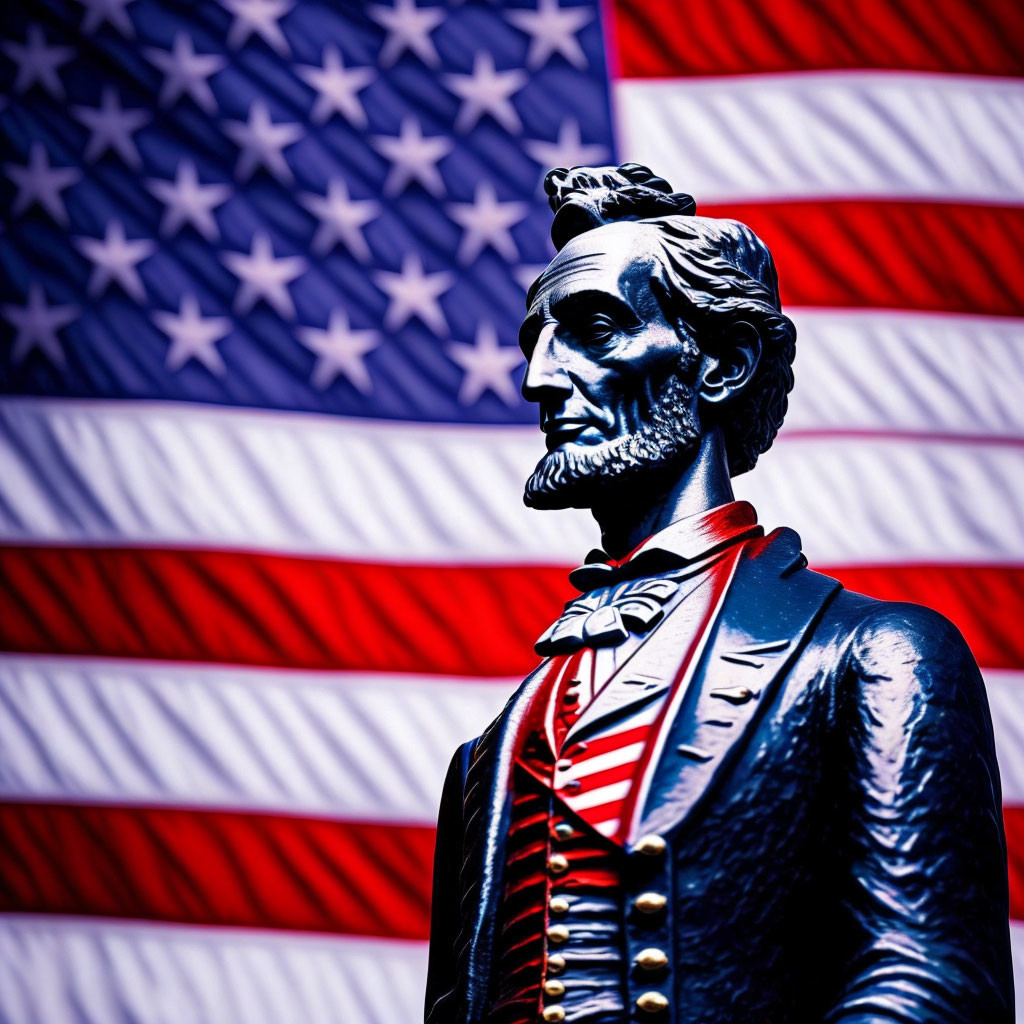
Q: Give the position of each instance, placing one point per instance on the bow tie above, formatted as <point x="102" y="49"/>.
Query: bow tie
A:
<point x="596" y="621"/>
<point x="598" y="572"/>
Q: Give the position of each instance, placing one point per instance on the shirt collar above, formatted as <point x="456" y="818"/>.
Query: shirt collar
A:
<point x="681" y="542"/>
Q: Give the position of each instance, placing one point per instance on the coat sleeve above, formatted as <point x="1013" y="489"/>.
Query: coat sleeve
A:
<point x="444" y="903"/>
<point x="925" y="879"/>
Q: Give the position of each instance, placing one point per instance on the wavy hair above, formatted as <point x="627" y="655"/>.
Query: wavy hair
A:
<point x="716" y="274"/>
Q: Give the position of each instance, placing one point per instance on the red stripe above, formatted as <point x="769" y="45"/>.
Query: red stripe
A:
<point x="986" y="603"/>
<point x="608" y="742"/>
<point x="894" y="255"/>
<point x="605" y="777"/>
<point x="249" y="870"/>
<point x="260" y="609"/>
<point x="216" y="867"/>
<point x="729" y="37"/>
<point x="1013" y="821"/>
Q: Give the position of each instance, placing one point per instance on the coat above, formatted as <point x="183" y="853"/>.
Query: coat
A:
<point x="833" y="853"/>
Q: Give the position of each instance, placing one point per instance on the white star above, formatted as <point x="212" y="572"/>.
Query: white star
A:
<point x="413" y="157"/>
<point x="339" y="349"/>
<point x="111" y="127"/>
<point x="40" y="183"/>
<point x="337" y="87"/>
<point x="264" y="276"/>
<point x="99" y="11"/>
<point x="186" y="71"/>
<point x="38" y="62"/>
<point x="341" y="220"/>
<point x="261" y="142"/>
<point x="569" y="150"/>
<point x="408" y="28"/>
<point x="486" y="91"/>
<point x="37" y="325"/>
<point x="553" y="30"/>
<point x="414" y="293"/>
<point x="486" y="365"/>
<point x="486" y="222"/>
<point x="114" y="259"/>
<point x="261" y="17"/>
<point x="188" y="202"/>
<point x="526" y="273"/>
<point x="192" y="336"/>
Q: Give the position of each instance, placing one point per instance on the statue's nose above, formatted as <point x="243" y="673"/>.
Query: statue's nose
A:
<point x="544" y="369"/>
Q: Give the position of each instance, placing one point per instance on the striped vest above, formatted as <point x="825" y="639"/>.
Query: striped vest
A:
<point x="582" y="750"/>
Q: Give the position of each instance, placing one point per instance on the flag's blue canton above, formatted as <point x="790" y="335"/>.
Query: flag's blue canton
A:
<point x="316" y="206"/>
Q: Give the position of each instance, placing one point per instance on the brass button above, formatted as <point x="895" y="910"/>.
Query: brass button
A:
<point x="650" y="902"/>
<point x="652" y="845"/>
<point x="552" y="1013"/>
<point x="558" y="934"/>
<point x="557" y="864"/>
<point x="556" y="963"/>
<point x="558" y="905"/>
<point x="554" y="988"/>
<point x="563" y="831"/>
<point x="651" y="959"/>
<point x="651" y="1002"/>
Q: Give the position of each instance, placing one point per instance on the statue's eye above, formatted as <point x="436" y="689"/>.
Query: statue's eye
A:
<point x="599" y="328"/>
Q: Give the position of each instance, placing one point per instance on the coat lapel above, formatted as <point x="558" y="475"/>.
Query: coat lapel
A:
<point x="765" y="619"/>
<point x="486" y="812"/>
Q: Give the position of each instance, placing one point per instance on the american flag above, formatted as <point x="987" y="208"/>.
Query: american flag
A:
<point x="263" y="558"/>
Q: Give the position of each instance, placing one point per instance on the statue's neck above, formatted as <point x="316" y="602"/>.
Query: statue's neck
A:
<point x="631" y="517"/>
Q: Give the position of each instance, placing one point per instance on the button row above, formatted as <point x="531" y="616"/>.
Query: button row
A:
<point x="558" y="934"/>
<point x="647" y="1002"/>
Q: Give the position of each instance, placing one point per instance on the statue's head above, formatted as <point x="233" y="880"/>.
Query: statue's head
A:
<point x="649" y="329"/>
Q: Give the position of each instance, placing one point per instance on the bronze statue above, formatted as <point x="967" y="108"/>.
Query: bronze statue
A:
<point x="732" y="791"/>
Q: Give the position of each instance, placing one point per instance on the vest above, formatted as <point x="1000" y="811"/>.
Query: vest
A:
<point x="564" y="853"/>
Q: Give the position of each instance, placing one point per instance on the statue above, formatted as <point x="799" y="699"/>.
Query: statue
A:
<point x="732" y="791"/>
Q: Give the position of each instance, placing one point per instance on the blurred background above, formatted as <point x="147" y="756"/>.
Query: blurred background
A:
<point x="263" y="557"/>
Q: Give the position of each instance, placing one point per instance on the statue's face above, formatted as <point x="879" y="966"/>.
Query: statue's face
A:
<point x="613" y="378"/>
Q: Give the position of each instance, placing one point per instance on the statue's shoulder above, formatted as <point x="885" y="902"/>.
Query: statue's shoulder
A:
<point x="876" y="639"/>
<point x="895" y="645"/>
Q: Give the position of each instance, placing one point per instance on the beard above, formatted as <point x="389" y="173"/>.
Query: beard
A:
<point x="584" y="476"/>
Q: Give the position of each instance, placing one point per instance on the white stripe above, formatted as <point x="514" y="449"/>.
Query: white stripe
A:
<point x="587" y="766"/>
<point x="148" y="473"/>
<point x="856" y="501"/>
<point x="596" y="797"/>
<point x="80" y="971"/>
<point x="1017" y="949"/>
<point x="891" y="370"/>
<point x="1006" y="699"/>
<point x="365" y="747"/>
<point x="189" y="476"/>
<point x="829" y="134"/>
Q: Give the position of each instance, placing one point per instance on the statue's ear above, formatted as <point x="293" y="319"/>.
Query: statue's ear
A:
<point x="731" y="365"/>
